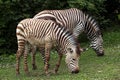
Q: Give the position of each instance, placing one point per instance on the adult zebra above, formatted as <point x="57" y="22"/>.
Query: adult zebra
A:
<point x="46" y="33"/>
<point x="77" y="22"/>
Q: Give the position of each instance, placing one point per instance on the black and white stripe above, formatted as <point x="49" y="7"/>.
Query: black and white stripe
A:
<point x="46" y="33"/>
<point x="77" y="22"/>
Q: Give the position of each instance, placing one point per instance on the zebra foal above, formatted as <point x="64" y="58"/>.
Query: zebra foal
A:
<point x="46" y="34"/>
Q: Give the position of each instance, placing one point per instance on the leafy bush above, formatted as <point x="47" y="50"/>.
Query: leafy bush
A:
<point x="13" y="11"/>
<point x="96" y="8"/>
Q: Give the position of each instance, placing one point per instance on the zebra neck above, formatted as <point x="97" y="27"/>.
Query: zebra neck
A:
<point x="91" y="28"/>
<point x="64" y="38"/>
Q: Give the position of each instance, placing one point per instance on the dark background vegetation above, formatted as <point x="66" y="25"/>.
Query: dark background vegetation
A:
<point x="106" y="12"/>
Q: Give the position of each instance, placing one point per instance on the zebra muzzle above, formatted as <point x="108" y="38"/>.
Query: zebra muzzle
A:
<point x="75" y="71"/>
<point x="100" y="54"/>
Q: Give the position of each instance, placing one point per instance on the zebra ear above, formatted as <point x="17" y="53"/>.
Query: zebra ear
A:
<point x="83" y="49"/>
<point x="91" y="45"/>
<point x="70" y="50"/>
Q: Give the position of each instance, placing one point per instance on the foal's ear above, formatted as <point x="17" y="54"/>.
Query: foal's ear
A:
<point x="83" y="49"/>
<point x="70" y="50"/>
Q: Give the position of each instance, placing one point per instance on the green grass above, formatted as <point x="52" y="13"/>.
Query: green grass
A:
<point x="91" y="66"/>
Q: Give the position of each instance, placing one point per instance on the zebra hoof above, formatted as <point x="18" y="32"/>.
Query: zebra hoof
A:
<point x="100" y="54"/>
<point x="55" y="71"/>
<point x="48" y="65"/>
<point x="17" y="74"/>
<point x="34" y="67"/>
<point x="47" y="74"/>
<point x="27" y="73"/>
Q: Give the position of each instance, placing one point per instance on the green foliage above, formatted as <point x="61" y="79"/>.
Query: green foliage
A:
<point x="113" y="9"/>
<point x="13" y="11"/>
<point x="94" y="7"/>
<point x="118" y="16"/>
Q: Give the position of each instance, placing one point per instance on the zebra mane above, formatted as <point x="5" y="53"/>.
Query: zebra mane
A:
<point x="90" y="22"/>
<point x="68" y="36"/>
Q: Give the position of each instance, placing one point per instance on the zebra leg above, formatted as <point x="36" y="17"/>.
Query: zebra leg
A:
<point x="58" y="63"/>
<point x="47" y="57"/>
<point x="19" y="52"/>
<point x="25" y="59"/>
<point x="42" y="51"/>
<point x="18" y="55"/>
<point x="33" y="57"/>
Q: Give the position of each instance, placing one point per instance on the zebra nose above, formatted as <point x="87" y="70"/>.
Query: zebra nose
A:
<point x="75" y="71"/>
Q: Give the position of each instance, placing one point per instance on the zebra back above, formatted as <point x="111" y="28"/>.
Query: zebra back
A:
<point x="41" y="30"/>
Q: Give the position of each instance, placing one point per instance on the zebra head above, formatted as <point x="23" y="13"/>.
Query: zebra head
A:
<point x="97" y="45"/>
<point x="72" y="59"/>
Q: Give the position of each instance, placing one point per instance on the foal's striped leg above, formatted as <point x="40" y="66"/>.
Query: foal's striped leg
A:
<point x="20" y="51"/>
<point x="33" y="57"/>
<point x="25" y="59"/>
<point x="59" y="62"/>
<point x="47" y="56"/>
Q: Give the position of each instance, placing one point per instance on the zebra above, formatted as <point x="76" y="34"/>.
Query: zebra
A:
<point x="46" y="34"/>
<point x="77" y="22"/>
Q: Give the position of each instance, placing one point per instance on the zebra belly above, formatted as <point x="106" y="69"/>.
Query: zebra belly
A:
<point x="41" y="42"/>
<point x="37" y="42"/>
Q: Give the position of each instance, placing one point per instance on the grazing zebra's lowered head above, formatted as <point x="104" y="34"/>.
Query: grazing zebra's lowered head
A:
<point x="72" y="52"/>
<point x="72" y="59"/>
<point x="97" y="45"/>
<point x="94" y="35"/>
<point x="46" y="33"/>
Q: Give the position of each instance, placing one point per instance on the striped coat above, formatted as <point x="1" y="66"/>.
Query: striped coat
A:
<point x="77" y="22"/>
<point x="46" y="33"/>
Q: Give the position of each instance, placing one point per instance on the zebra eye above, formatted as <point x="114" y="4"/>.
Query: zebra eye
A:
<point x="73" y="59"/>
<point x="70" y="50"/>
